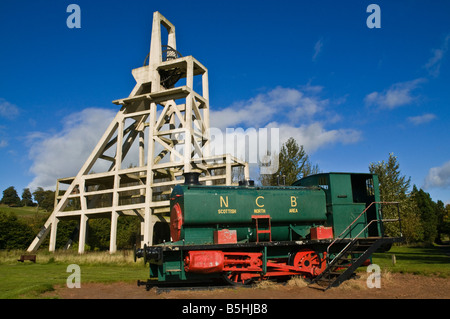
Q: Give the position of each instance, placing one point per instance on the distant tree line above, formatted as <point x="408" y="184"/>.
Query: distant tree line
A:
<point x="43" y="198"/>
<point x="18" y="233"/>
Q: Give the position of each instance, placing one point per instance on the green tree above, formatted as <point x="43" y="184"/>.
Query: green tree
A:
<point x="442" y="228"/>
<point x="445" y="228"/>
<point x="99" y="233"/>
<point x="38" y="195"/>
<point x="128" y="230"/>
<point x="14" y="233"/>
<point x="394" y="187"/>
<point x="10" y="197"/>
<point x="428" y="214"/>
<point x="45" y="198"/>
<point x="293" y="164"/>
<point x="27" y="198"/>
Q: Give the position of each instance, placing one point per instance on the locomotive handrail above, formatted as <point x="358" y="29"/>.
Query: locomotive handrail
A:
<point x="367" y="226"/>
<point x="355" y="238"/>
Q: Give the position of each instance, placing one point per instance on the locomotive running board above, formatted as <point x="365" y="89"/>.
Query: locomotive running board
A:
<point x="251" y="245"/>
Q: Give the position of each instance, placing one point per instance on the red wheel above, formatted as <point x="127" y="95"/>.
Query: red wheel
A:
<point x="237" y="278"/>
<point x="309" y="261"/>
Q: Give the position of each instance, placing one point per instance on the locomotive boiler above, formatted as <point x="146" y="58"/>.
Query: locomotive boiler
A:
<point x="198" y="212"/>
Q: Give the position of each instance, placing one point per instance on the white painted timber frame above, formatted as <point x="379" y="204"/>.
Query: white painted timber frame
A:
<point x="168" y="128"/>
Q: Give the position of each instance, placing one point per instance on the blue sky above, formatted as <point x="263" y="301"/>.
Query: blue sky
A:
<point x="349" y="93"/>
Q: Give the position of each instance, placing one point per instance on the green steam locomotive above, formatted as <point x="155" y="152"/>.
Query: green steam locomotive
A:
<point x="319" y="228"/>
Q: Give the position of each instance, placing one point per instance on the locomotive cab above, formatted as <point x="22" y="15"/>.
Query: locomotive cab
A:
<point x="347" y="196"/>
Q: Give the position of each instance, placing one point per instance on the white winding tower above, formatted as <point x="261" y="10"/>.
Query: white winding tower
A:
<point x="163" y="127"/>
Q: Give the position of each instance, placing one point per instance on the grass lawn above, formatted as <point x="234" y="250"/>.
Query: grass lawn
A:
<point x="23" y="211"/>
<point x="416" y="260"/>
<point x="29" y="280"/>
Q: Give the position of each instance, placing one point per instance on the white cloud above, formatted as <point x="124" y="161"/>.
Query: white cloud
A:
<point x="433" y="65"/>
<point x="317" y="49"/>
<point x="252" y="145"/>
<point x="397" y="95"/>
<point x="291" y="105"/>
<point x="256" y="111"/>
<point x="297" y="113"/>
<point x="8" y="110"/>
<point x="438" y="177"/>
<point x="421" y="119"/>
<point x="62" y="154"/>
<point x="314" y="136"/>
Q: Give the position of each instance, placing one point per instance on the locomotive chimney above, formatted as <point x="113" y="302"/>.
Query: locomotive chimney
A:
<point x="191" y="178"/>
